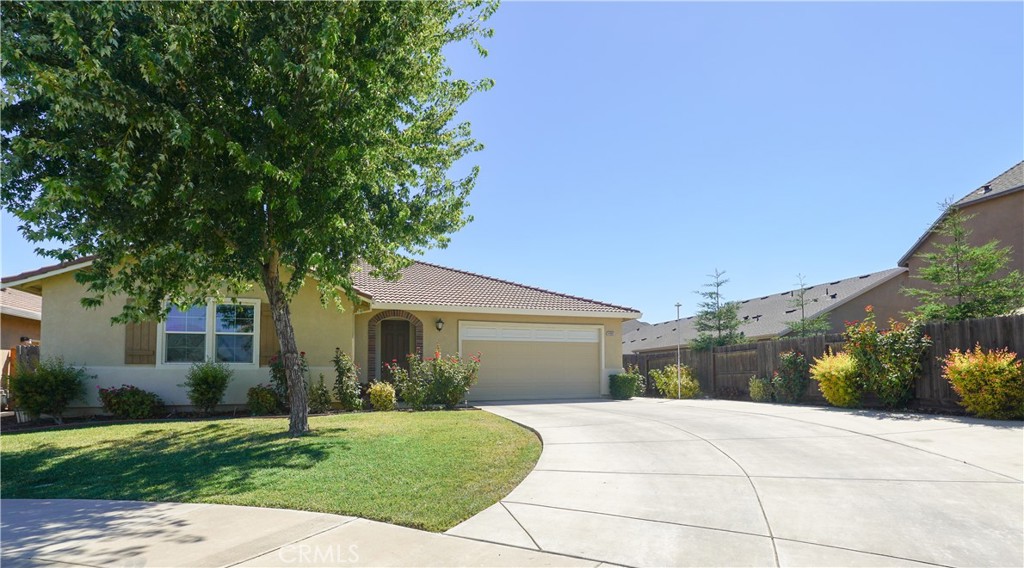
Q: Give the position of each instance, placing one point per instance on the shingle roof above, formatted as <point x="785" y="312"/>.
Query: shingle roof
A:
<point x="1007" y="182"/>
<point x="21" y="304"/>
<point x="766" y="316"/>
<point x="431" y="285"/>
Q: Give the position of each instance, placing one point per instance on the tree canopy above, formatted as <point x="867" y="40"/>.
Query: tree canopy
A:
<point x="717" y="320"/>
<point x="194" y="148"/>
<point x="964" y="280"/>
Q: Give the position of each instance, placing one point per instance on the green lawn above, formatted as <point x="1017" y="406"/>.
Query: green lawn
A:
<point x="429" y="470"/>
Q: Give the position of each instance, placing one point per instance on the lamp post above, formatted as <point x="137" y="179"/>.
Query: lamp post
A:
<point x="679" y="334"/>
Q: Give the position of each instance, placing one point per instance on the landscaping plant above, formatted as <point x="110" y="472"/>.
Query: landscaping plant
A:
<point x="382" y="396"/>
<point x="262" y="400"/>
<point x="414" y="385"/>
<point x="790" y="382"/>
<point x="441" y="379"/>
<point x="838" y="379"/>
<point x="206" y="383"/>
<point x="319" y="397"/>
<point x="760" y="389"/>
<point x="990" y="383"/>
<point x="49" y="388"/>
<point x="900" y="350"/>
<point x="346" y="381"/>
<point x="666" y="383"/>
<point x="623" y="386"/>
<point x="128" y="401"/>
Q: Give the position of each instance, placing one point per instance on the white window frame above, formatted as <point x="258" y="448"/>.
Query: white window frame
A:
<point x="211" y="336"/>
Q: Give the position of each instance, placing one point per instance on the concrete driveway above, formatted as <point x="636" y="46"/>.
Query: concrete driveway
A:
<point x="669" y="483"/>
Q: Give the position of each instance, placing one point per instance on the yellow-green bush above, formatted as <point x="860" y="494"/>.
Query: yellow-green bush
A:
<point x="760" y="389"/>
<point x="382" y="396"/>
<point x="838" y="379"/>
<point x="990" y="383"/>
<point x="666" y="383"/>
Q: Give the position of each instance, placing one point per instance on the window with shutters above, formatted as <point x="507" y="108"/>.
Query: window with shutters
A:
<point x="222" y="332"/>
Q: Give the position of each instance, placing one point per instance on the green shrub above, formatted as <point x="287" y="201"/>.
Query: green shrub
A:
<point x="624" y="386"/>
<point x="990" y="384"/>
<point x="382" y="396"/>
<point x="760" y="389"/>
<point x="346" y="381"/>
<point x="319" y="397"/>
<point x="900" y="350"/>
<point x="206" y="383"/>
<point x="262" y="400"/>
<point x="451" y="377"/>
<point x="414" y="385"/>
<point x="666" y="383"/>
<point x="838" y="379"/>
<point x="130" y="402"/>
<point x="790" y="382"/>
<point x="49" y="388"/>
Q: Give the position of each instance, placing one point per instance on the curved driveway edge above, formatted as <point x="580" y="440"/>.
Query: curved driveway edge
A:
<point x="651" y="482"/>
<point x="71" y="532"/>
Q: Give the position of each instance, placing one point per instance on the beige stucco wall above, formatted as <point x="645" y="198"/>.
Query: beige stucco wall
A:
<point x="1000" y="218"/>
<point x="87" y="337"/>
<point x="13" y="328"/>
<point x="447" y="340"/>
<point x="886" y="298"/>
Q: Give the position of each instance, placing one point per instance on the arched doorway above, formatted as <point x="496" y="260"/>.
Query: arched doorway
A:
<point x="390" y="333"/>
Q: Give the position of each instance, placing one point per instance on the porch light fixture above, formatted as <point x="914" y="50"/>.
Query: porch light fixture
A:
<point x="439" y="324"/>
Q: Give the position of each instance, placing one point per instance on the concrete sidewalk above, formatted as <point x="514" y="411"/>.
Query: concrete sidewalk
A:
<point x="129" y="533"/>
<point x="650" y="482"/>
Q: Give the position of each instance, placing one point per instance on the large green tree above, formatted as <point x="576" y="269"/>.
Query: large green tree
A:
<point x="964" y="280"/>
<point x="717" y="322"/>
<point x="199" y="148"/>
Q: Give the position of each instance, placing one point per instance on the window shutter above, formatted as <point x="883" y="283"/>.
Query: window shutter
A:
<point x="268" y="337"/>
<point x="140" y="343"/>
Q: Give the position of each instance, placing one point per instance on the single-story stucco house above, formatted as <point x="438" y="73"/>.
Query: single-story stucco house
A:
<point x="534" y="343"/>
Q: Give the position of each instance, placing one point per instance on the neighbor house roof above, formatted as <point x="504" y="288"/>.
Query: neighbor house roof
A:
<point x="766" y="316"/>
<point x="424" y="284"/>
<point x="1010" y="181"/>
<point x="21" y="304"/>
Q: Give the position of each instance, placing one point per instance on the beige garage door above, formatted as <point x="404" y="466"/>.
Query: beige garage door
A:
<point x="533" y="361"/>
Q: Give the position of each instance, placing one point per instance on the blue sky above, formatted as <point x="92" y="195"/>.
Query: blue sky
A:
<point x="633" y="148"/>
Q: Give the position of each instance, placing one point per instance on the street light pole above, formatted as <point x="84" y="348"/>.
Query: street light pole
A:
<point x="679" y="334"/>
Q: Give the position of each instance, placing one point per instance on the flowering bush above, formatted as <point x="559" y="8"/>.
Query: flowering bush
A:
<point x="887" y="362"/>
<point x="278" y="379"/>
<point x="436" y="380"/>
<point x="382" y="396"/>
<point x="838" y="379"/>
<point x="861" y="343"/>
<point x="129" y="401"/>
<point x="262" y="400"/>
<point x="666" y="383"/>
<point x="206" y="383"/>
<point x="790" y="382"/>
<point x="760" y="389"/>
<point x="319" y="397"/>
<point x="346" y="382"/>
<point x="990" y="383"/>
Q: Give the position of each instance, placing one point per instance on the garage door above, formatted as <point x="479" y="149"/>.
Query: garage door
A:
<point x="533" y="361"/>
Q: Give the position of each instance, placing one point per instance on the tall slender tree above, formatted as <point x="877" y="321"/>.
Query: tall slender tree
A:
<point x="964" y="280"/>
<point x="196" y="149"/>
<point x="806" y="326"/>
<point x="717" y="320"/>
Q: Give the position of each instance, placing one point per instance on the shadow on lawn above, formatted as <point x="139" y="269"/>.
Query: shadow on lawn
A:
<point x="163" y="464"/>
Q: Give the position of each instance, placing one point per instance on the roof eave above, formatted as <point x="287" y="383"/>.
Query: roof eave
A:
<point x="505" y="311"/>
<point x="20" y="313"/>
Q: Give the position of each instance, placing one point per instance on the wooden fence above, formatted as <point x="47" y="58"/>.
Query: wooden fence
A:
<point x="730" y="367"/>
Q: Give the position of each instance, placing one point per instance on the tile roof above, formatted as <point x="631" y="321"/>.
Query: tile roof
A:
<point x="766" y="316"/>
<point x="1009" y="181"/>
<point x="431" y="285"/>
<point x="21" y="304"/>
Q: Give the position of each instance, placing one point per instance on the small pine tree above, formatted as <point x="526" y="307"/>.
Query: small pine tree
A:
<point x="805" y="326"/>
<point x="717" y="321"/>
<point x="963" y="277"/>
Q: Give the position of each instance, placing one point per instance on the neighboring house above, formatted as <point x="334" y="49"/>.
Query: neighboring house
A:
<point x="998" y="209"/>
<point x="772" y="316"/>
<point x="533" y="343"/>
<point x="20" y="314"/>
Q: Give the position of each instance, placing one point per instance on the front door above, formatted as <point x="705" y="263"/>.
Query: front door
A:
<point x="394" y="336"/>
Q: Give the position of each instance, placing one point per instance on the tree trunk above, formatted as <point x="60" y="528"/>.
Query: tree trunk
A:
<point x="298" y="401"/>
